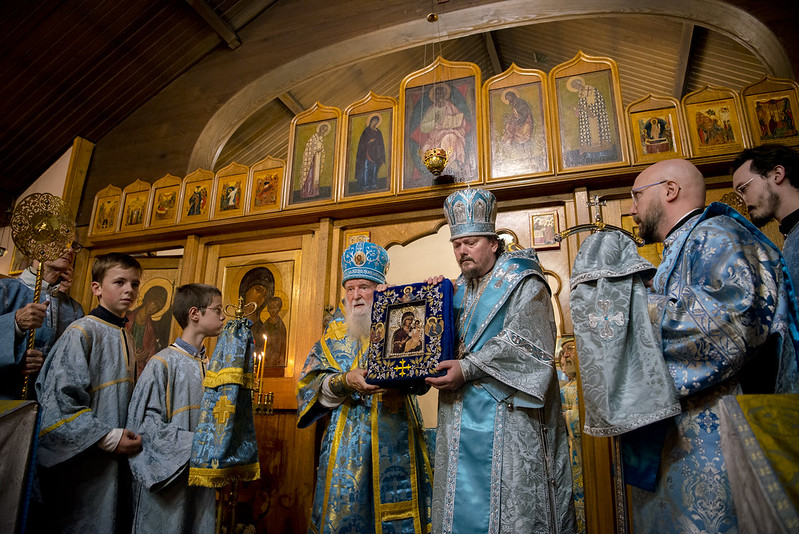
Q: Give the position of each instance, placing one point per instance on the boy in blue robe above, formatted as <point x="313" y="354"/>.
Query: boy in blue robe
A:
<point x="165" y="410"/>
<point x="84" y="389"/>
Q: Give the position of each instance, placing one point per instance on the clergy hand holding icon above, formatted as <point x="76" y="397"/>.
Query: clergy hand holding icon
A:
<point x="504" y="372"/>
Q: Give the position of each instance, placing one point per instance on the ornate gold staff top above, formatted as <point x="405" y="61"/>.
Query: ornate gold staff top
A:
<point x="42" y="228"/>
<point x="240" y="311"/>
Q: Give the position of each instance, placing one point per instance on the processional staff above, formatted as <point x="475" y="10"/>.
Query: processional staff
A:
<point x="42" y="228"/>
<point x="598" y="225"/>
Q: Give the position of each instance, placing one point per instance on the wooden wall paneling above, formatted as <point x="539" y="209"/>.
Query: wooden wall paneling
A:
<point x="81" y="270"/>
<point x="315" y="281"/>
<point x="191" y="256"/>
<point x="407" y="231"/>
<point x="570" y="208"/>
<point x="83" y="292"/>
<point x="76" y="172"/>
<point x="281" y="500"/>
<point x="243" y="246"/>
<point x="600" y="514"/>
<point x="335" y="292"/>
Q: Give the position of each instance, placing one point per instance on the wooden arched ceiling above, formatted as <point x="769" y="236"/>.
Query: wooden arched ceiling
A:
<point x="647" y="50"/>
<point x="652" y="34"/>
<point x="124" y="75"/>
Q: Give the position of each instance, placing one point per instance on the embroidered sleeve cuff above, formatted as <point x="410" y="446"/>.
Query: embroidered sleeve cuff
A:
<point x="339" y="386"/>
<point x="470" y="370"/>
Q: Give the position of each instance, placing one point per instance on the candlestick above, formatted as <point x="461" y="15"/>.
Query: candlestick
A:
<point x="256" y="374"/>
<point x="260" y="372"/>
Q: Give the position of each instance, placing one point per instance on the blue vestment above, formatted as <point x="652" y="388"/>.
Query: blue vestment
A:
<point x="625" y="382"/>
<point x="790" y="249"/>
<point x="84" y="389"/>
<point x="727" y="317"/>
<point x="373" y="465"/>
<point x="224" y="449"/>
<point x="502" y="452"/>
<point x="165" y="410"/>
<point x="15" y="294"/>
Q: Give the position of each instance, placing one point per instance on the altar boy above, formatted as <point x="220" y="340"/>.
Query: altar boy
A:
<point x="84" y="388"/>
<point x="165" y="410"/>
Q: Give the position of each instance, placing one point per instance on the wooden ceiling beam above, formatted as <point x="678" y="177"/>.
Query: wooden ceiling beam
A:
<point x="291" y="102"/>
<point x="217" y="24"/>
<point x="493" y="52"/>
<point x="684" y="59"/>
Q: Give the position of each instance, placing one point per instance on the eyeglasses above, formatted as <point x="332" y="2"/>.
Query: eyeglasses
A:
<point x="635" y="193"/>
<point x="75" y="246"/>
<point x="742" y="188"/>
<point x="219" y="311"/>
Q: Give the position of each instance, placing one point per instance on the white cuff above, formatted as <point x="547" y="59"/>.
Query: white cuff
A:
<point x="111" y="440"/>
<point x="326" y="396"/>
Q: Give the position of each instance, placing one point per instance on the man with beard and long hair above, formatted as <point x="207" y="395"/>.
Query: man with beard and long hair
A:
<point x="767" y="179"/>
<point x="502" y="450"/>
<point x="374" y="466"/>
<point x="722" y="305"/>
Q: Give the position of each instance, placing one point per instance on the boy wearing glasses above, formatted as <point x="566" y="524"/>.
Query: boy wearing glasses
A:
<point x="165" y="410"/>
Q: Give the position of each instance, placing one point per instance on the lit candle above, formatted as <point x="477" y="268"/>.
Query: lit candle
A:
<point x="255" y="372"/>
<point x="259" y="360"/>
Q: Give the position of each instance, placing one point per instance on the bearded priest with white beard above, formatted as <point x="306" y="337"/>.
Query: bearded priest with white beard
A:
<point x="374" y="465"/>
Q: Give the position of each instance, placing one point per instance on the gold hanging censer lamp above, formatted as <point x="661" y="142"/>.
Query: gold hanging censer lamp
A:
<point x="436" y="159"/>
<point x="42" y="228"/>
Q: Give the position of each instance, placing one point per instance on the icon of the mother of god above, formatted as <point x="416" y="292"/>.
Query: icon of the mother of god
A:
<point x="257" y="286"/>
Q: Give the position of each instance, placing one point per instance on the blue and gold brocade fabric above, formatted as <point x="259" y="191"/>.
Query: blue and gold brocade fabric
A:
<point x="224" y="449"/>
<point x="374" y="470"/>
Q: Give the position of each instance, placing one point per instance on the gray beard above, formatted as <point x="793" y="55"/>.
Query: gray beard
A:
<point x="358" y="326"/>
